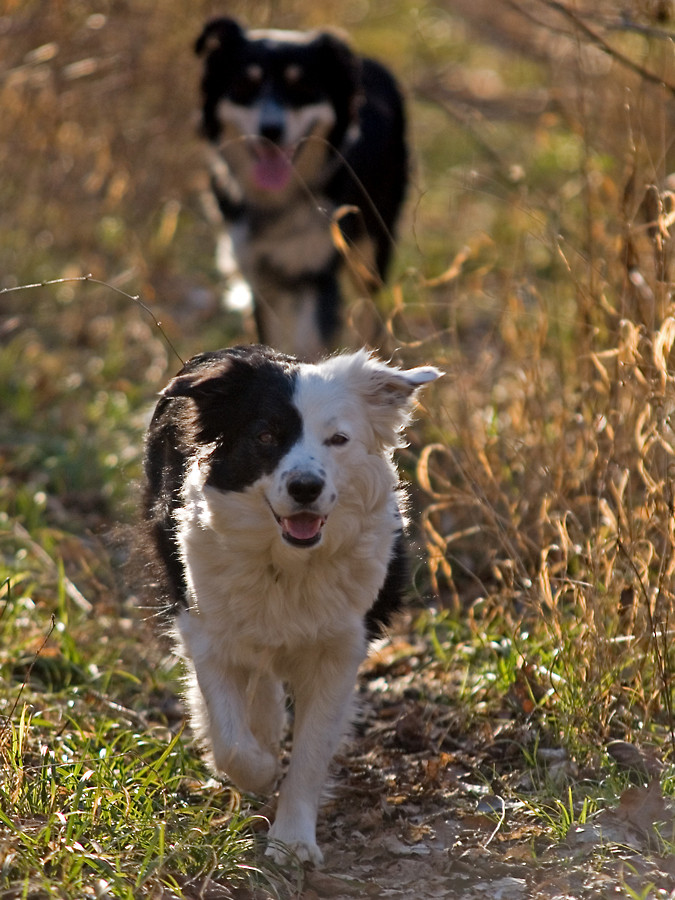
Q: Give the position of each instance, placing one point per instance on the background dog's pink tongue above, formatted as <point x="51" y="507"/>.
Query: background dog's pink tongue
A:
<point x="272" y="170"/>
<point x="303" y="526"/>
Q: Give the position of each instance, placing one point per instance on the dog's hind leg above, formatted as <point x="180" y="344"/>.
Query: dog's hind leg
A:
<point x="322" y="685"/>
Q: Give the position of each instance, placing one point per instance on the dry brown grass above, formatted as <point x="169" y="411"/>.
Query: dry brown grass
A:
<point x="550" y="469"/>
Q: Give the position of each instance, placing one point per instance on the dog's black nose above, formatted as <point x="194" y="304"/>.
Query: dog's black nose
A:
<point x="272" y="120"/>
<point x="305" y="488"/>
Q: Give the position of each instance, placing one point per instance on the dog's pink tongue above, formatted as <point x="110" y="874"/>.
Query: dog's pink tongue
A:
<point x="272" y="169"/>
<point x="303" y="526"/>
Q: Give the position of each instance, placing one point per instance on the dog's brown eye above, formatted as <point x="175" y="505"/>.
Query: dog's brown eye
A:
<point x="337" y="440"/>
<point x="266" y="437"/>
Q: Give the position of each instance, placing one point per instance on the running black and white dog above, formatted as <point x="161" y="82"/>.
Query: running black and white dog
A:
<point x="276" y="518"/>
<point x="304" y="132"/>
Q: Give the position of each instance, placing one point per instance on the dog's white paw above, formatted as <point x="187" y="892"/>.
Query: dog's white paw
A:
<point x="283" y="852"/>
<point x="255" y="772"/>
<point x="299" y="851"/>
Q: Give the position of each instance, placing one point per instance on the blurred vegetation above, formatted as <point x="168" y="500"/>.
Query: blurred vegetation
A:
<point x="534" y="265"/>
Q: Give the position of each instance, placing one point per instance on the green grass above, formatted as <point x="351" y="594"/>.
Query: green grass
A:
<point x="100" y="801"/>
<point x="96" y="790"/>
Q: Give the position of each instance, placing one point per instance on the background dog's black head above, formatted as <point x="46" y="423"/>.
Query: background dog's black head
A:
<point x="274" y="102"/>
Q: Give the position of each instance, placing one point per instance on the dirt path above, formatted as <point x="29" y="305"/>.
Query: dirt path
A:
<point x="423" y="809"/>
<point x="425" y="805"/>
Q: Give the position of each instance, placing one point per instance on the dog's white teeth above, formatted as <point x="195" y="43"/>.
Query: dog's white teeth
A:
<point x="302" y="526"/>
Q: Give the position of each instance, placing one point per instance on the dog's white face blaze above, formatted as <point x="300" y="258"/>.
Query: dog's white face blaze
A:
<point x="326" y="454"/>
<point x="281" y="35"/>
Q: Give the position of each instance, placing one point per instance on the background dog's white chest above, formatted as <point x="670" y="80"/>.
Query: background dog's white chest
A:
<point x="288" y="245"/>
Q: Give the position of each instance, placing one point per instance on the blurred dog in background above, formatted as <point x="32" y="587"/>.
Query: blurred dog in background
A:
<point x="309" y="170"/>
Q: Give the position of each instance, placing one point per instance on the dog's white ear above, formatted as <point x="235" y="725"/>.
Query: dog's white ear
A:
<point x="406" y="381"/>
<point x="391" y="385"/>
<point x="389" y="392"/>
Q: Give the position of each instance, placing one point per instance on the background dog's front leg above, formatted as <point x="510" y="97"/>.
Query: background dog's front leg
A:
<point x="323" y="694"/>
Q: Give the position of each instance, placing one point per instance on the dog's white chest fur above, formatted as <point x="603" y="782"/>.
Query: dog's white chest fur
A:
<point x="256" y="589"/>
<point x="280" y="262"/>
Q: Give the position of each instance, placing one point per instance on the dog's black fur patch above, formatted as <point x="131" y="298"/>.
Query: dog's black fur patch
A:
<point x="223" y="400"/>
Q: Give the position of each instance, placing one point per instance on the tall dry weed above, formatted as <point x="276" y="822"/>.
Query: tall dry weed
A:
<point x="551" y="477"/>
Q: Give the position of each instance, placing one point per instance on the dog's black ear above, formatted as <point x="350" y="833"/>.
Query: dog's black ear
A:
<point x="217" y="35"/>
<point x="338" y="57"/>
<point x="200" y="383"/>
<point x="185" y="385"/>
<point x="195" y="384"/>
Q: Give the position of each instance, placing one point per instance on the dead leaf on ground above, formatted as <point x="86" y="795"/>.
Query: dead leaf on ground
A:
<point x="641" y="821"/>
<point x="644" y="809"/>
<point x="628" y="756"/>
<point x="412" y="732"/>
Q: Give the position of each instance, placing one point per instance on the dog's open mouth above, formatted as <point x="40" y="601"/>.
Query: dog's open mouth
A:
<point x="303" y="529"/>
<point x="272" y="166"/>
<point x="273" y="163"/>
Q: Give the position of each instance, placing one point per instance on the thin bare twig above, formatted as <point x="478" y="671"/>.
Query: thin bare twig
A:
<point x="90" y="279"/>
<point x="8" y="718"/>
<point x="600" y="42"/>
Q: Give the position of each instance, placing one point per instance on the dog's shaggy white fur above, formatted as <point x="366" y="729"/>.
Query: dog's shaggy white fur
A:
<point x="286" y="532"/>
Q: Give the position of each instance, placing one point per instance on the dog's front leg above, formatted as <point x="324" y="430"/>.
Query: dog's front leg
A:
<point x="244" y="715"/>
<point x="237" y="711"/>
<point x="323" y="687"/>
